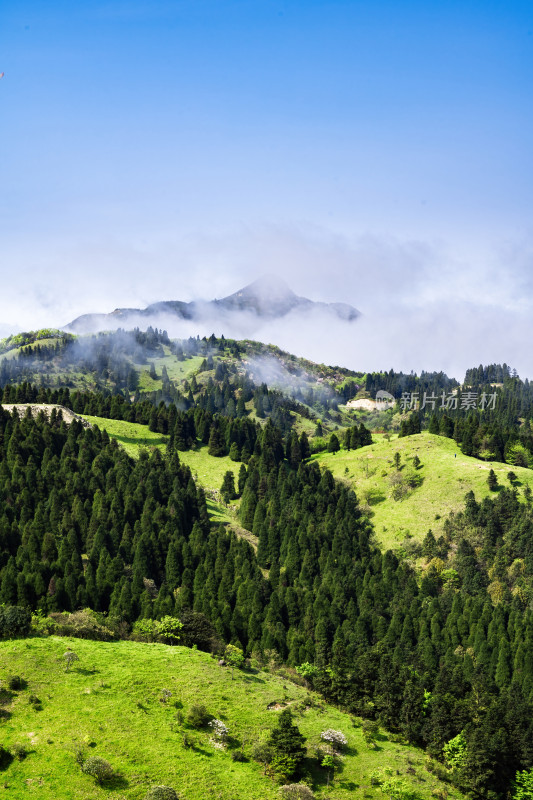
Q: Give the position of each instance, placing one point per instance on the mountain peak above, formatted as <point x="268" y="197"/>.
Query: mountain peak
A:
<point x="268" y="298"/>
<point x="268" y="287"/>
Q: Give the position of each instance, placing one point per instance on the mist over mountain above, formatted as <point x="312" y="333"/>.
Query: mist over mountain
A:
<point x="241" y="313"/>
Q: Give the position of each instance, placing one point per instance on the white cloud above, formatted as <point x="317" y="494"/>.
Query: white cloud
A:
<point x="425" y="305"/>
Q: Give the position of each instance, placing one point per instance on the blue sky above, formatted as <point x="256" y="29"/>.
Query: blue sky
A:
<point x="374" y="152"/>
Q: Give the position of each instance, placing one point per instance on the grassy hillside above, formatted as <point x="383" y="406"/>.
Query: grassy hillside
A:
<point x="447" y="475"/>
<point x="132" y="436"/>
<point x="110" y="704"/>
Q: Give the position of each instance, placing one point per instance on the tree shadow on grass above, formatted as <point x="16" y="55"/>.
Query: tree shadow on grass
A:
<point x="83" y="671"/>
<point x="6" y="697"/>
<point x="375" y="497"/>
<point x="201" y="751"/>
<point x="233" y="743"/>
<point x="116" y="782"/>
<point x="316" y="774"/>
<point x="349" y="786"/>
<point x="5" y="758"/>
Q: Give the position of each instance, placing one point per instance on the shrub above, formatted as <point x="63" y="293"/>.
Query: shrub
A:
<point x="161" y="793"/>
<point x="370" y="730"/>
<point x="35" y="702"/>
<point x="283" y="767"/>
<point x="80" y="754"/>
<point x="198" y="716"/>
<point x="20" y="752"/>
<point x="14" y="621"/>
<point x="238" y="755"/>
<point x="188" y="741"/>
<point x="166" y="694"/>
<point x="44" y="626"/>
<point x="98" y="768"/>
<point x="169" y="629"/>
<point x="145" y="630"/>
<point x="234" y="657"/>
<point x="263" y="753"/>
<point x="85" y="624"/>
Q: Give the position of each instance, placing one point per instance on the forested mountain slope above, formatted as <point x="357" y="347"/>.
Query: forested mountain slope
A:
<point x="447" y="656"/>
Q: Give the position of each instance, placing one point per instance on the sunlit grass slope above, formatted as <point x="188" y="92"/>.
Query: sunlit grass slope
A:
<point x="447" y="476"/>
<point x="111" y="703"/>
<point x="131" y="435"/>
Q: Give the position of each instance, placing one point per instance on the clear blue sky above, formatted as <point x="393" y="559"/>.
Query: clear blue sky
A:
<point x="164" y="149"/>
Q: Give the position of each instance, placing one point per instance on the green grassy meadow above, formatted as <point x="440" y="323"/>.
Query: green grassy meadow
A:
<point x="131" y="435"/>
<point x="447" y="476"/>
<point x="110" y="704"/>
<point x="209" y="470"/>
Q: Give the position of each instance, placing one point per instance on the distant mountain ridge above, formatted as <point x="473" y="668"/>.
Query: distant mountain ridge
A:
<point x="268" y="298"/>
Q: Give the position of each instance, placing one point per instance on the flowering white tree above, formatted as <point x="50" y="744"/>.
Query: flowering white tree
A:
<point x="336" y="739"/>
<point x="70" y="657"/>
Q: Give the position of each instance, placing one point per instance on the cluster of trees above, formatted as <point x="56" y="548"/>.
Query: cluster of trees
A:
<point x="396" y="383"/>
<point x="356" y="437"/>
<point x="29" y="338"/>
<point x="488" y="437"/>
<point x="67" y="492"/>
<point x="494" y="539"/>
